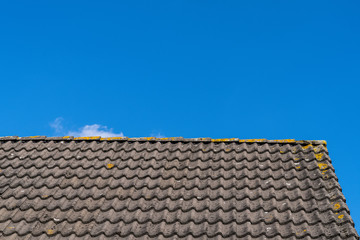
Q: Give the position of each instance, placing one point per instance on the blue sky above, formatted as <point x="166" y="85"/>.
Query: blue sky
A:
<point x="246" y="69"/>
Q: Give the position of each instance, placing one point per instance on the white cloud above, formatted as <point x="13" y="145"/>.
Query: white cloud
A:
<point x="57" y="125"/>
<point x="85" y="131"/>
<point x="95" y="130"/>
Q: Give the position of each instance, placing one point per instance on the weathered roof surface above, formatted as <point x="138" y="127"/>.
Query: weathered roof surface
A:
<point x="69" y="188"/>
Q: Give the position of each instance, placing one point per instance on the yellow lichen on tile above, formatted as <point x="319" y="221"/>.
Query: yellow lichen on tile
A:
<point x="296" y="159"/>
<point x="150" y="138"/>
<point x="307" y="146"/>
<point x="110" y="165"/>
<point x="298" y="167"/>
<point x="87" y="138"/>
<point x="300" y="232"/>
<point x="282" y="151"/>
<point x="227" y="150"/>
<point x="341" y="216"/>
<point x="112" y="138"/>
<point x="317" y="149"/>
<point x="336" y="206"/>
<point x="319" y="156"/>
<point x="50" y="231"/>
<point x="322" y="166"/>
<point x="223" y="140"/>
<point x="253" y="140"/>
<point x="66" y="137"/>
<point x="324" y="171"/>
<point x="285" y="141"/>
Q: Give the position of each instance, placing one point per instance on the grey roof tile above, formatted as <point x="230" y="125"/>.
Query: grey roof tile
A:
<point x="85" y="188"/>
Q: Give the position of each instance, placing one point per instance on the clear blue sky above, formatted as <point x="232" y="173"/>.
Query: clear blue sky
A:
<point x="246" y="69"/>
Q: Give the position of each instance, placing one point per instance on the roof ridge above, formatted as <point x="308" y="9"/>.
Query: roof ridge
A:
<point x="169" y="139"/>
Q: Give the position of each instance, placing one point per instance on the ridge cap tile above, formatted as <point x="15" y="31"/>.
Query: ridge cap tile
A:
<point x="168" y="139"/>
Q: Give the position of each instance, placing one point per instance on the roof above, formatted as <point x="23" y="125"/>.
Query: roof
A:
<point x="96" y="187"/>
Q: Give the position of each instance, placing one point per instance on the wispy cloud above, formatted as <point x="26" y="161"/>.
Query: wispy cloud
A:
<point x="95" y="130"/>
<point x="157" y="135"/>
<point x="85" y="131"/>
<point x="57" y="125"/>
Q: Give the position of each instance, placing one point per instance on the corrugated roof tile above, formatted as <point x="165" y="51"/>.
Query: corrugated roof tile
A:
<point x="66" y="187"/>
